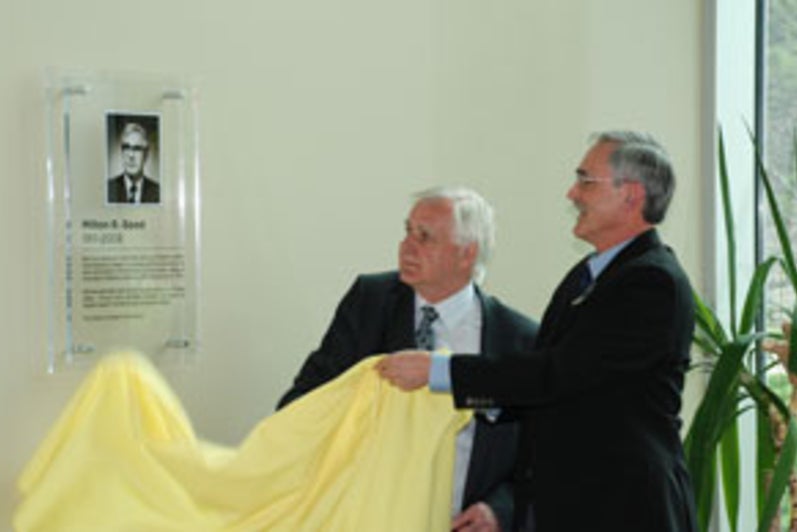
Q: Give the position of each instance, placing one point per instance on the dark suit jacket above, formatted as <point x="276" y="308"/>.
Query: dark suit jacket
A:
<point x="377" y="316"/>
<point x="117" y="193"/>
<point x="599" y="399"/>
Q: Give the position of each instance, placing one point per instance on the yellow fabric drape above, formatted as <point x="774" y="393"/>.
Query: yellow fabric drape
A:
<point x="354" y="455"/>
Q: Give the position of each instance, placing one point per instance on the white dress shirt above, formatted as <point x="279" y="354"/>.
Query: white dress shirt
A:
<point x="457" y="330"/>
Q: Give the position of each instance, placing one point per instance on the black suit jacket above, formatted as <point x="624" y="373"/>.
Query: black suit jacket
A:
<point x="599" y="399"/>
<point x="376" y="316"/>
<point x="117" y="193"/>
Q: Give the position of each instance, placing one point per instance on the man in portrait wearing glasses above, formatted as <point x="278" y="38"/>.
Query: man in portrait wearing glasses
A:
<point x="132" y="186"/>
<point x="599" y="396"/>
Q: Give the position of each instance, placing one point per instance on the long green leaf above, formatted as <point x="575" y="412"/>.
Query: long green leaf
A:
<point x="707" y="324"/>
<point x="729" y="455"/>
<point x="786" y="249"/>
<point x="777" y="218"/>
<point x="765" y="454"/>
<point x="712" y="419"/>
<point x="793" y="342"/>
<point x="764" y="397"/>
<point x="780" y="477"/>
<point x="780" y="469"/>
<point x="755" y="294"/>
<point x="783" y="466"/>
<point x="705" y="346"/>
<point x="730" y="233"/>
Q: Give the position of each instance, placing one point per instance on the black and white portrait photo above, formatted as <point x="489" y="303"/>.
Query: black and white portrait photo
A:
<point x="133" y="156"/>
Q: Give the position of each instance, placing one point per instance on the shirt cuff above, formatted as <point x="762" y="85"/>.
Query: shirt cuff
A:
<point x="492" y="414"/>
<point x="440" y="373"/>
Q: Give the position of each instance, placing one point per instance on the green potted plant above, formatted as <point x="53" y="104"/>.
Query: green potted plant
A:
<point x="712" y="442"/>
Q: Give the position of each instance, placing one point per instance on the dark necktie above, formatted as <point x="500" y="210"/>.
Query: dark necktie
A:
<point x="583" y="284"/>
<point x="424" y="336"/>
<point x="132" y="196"/>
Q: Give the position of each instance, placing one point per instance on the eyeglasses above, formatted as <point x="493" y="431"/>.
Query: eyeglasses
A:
<point x="133" y="147"/>
<point x="583" y="179"/>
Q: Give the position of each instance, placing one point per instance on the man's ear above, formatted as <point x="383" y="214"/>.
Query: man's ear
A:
<point x="469" y="253"/>
<point x="634" y="194"/>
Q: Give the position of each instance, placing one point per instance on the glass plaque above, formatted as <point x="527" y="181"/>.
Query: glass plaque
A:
<point x="124" y="205"/>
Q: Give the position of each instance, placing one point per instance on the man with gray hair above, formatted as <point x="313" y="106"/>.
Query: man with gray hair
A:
<point x="433" y="302"/>
<point x="599" y="396"/>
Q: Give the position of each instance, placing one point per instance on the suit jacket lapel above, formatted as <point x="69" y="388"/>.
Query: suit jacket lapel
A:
<point x="561" y="309"/>
<point x="488" y="337"/>
<point x="482" y="443"/>
<point x="641" y="244"/>
<point x="400" y="316"/>
<point x="120" y="194"/>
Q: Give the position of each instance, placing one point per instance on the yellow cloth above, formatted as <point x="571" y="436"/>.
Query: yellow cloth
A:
<point x="354" y="455"/>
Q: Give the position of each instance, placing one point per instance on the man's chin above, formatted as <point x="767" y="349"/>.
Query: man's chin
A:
<point x="407" y="277"/>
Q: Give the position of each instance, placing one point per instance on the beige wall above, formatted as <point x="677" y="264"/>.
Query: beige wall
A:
<point x="318" y="119"/>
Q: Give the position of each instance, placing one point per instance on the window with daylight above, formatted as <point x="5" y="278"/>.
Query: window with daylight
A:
<point x="777" y="131"/>
<point x="777" y="117"/>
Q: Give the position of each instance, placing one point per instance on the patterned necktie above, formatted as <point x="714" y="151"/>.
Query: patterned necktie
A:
<point x="424" y="336"/>
<point x="132" y="196"/>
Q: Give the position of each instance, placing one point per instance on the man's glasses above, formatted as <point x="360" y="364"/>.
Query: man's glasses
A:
<point x="584" y="180"/>
<point x="133" y="147"/>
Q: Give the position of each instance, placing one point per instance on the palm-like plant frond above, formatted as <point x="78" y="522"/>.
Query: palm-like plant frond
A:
<point x="714" y="433"/>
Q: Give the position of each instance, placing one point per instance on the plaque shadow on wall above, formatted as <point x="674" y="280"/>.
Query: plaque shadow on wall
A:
<point x="124" y="208"/>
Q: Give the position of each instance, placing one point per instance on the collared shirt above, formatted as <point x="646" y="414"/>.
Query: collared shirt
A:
<point x="598" y="262"/>
<point x="457" y="330"/>
<point x="459" y="324"/>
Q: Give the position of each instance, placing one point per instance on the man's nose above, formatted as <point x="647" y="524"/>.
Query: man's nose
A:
<point x="407" y="243"/>
<point x="572" y="192"/>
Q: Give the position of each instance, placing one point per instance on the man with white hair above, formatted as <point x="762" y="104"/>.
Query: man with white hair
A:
<point x="433" y="302"/>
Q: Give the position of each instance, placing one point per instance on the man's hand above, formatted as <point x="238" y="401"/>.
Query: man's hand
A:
<point x="409" y="370"/>
<point x="476" y="518"/>
<point x="781" y="349"/>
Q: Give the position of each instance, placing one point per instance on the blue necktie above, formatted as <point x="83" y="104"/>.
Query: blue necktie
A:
<point x="424" y="336"/>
